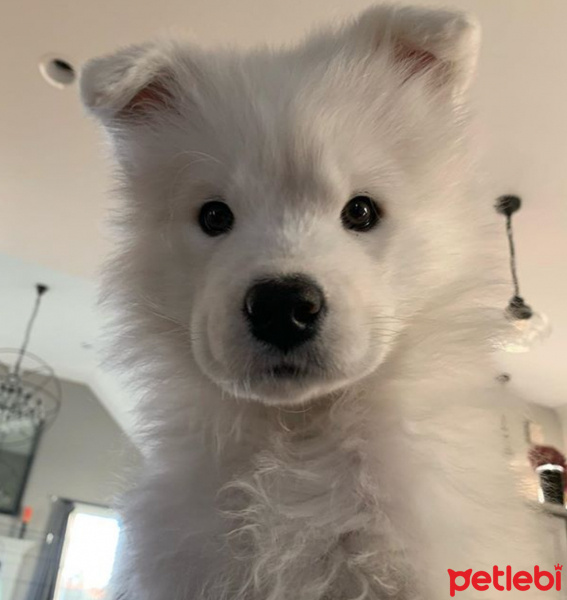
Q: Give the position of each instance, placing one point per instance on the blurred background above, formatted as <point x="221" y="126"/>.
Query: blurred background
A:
<point x="60" y="472"/>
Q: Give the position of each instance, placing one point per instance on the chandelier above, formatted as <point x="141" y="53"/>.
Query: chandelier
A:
<point x="30" y="394"/>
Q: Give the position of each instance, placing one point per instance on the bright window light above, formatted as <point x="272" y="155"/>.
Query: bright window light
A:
<point x="88" y="558"/>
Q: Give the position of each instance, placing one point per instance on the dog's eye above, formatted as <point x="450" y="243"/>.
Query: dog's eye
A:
<point x="361" y="213"/>
<point x="215" y="218"/>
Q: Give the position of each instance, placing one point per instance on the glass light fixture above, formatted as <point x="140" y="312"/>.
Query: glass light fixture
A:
<point x="527" y="327"/>
<point x="30" y="394"/>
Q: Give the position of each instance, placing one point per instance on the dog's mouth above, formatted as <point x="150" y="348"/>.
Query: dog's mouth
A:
<point x="281" y="380"/>
<point x="285" y="382"/>
<point x="286" y="371"/>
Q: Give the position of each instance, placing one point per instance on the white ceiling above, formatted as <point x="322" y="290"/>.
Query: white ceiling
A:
<point x="54" y="182"/>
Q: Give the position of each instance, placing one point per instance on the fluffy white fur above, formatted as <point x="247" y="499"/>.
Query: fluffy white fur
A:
<point x="384" y="467"/>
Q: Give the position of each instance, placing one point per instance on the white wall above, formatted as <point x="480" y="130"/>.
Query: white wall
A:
<point x="561" y="412"/>
<point x="551" y="426"/>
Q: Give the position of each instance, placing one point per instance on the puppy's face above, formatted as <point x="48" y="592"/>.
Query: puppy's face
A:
<point x="289" y="213"/>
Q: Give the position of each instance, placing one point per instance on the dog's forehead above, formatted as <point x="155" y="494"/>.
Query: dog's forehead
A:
<point x="252" y="140"/>
<point x="286" y="157"/>
<point x="278" y="127"/>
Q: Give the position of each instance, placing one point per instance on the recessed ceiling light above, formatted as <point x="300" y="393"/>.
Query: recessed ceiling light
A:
<point x="57" y="71"/>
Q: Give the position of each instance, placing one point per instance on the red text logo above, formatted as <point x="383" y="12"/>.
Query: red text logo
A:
<point x="459" y="581"/>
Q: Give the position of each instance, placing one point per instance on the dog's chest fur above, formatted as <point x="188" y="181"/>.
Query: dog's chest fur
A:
<point x="307" y="514"/>
<point x="368" y="496"/>
<point x="292" y="504"/>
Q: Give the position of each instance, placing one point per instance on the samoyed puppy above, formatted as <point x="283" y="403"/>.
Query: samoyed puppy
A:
<point x="301" y="286"/>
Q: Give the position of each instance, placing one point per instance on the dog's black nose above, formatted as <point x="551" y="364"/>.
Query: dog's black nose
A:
<point x="284" y="312"/>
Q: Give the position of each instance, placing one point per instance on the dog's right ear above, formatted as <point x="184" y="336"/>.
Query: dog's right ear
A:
<point x="130" y="84"/>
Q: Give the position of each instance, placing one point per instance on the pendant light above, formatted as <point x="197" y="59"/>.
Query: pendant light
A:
<point x="30" y="394"/>
<point x="528" y="327"/>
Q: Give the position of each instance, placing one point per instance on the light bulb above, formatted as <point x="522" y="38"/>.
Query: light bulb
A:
<point x="527" y="328"/>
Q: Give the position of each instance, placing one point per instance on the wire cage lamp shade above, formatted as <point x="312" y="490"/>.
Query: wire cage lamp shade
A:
<point x="30" y="393"/>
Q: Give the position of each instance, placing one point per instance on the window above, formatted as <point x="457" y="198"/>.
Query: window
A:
<point x="89" y="553"/>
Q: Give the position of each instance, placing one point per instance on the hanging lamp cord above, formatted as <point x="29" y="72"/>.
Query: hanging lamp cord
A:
<point x="41" y="289"/>
<point x="513" y="268"/>
<point x="507" y="206"/>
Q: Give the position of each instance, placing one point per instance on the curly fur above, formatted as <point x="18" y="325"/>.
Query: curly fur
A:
<point x="371" y="480"/>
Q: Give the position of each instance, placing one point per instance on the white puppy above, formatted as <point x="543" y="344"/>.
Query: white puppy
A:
<point x="300" y="285"/>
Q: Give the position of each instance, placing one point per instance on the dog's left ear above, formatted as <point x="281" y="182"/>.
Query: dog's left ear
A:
<point x="439" y="45"/>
